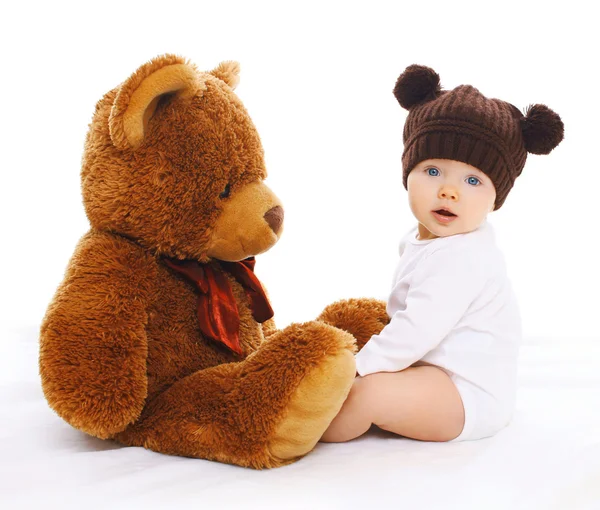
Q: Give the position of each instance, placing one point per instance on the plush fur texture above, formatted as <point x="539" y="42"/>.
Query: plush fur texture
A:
<point x="173" y="166"/>
<point x="362" y="317"/>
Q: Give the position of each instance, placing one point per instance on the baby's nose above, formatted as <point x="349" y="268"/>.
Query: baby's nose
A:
<point x="450" y="194"/>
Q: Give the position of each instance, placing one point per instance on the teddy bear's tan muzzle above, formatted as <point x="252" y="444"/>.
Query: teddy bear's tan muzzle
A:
<point x="243" y="229"/>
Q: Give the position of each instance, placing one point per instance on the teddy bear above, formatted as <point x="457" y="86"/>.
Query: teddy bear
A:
<point x="160" y="334"/>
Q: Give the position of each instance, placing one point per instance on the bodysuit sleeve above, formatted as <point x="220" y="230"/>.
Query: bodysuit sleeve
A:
<point x="442" y="288"/>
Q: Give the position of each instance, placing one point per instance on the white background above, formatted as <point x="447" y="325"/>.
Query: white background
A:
<point x="317" y="79"/>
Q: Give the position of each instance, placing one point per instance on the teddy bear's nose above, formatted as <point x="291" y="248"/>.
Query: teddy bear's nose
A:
<point x="274" y="218"/>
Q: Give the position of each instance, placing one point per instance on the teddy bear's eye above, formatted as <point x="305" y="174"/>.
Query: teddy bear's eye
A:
<point x="225" y="193"/>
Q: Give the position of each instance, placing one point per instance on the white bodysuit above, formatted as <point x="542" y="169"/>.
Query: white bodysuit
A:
<point x="452" y="306"/>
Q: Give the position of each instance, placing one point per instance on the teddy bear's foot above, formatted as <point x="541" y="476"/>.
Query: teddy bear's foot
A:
<point x="315" y="403"/>
<point x="362" y="318"/>
<point x="263" y="412"/>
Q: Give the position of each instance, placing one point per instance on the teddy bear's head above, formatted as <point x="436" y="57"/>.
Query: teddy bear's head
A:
<point x="173" y="161"/>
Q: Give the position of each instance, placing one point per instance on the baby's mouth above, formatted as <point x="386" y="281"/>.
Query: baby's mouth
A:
<point x="443" y="212"/>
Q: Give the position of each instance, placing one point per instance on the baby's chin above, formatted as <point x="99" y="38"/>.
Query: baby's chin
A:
<point x="457" y="231"/>
<point x="437" y="230"/>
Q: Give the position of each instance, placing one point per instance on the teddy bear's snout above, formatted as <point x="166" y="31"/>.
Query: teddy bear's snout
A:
<point x="274" y="218"/>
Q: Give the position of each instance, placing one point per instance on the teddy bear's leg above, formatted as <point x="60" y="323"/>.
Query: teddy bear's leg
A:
<point x="363" y="317"/>
<point x="265" y="411"/>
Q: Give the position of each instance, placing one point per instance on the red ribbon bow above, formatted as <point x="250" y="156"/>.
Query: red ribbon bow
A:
<point x="217" y="310"/>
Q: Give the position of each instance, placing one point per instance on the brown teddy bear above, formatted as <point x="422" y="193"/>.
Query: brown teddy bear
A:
<point x="160" y="334"/>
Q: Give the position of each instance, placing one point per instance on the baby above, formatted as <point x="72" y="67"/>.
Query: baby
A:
<point x="444" y="368"/>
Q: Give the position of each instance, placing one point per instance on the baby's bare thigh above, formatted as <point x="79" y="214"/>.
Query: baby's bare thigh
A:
<point x="418" y="402"/>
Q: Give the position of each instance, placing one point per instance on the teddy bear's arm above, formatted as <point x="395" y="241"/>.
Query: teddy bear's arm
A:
<point x="93" y="344"/>
<point x="363" y="317"/>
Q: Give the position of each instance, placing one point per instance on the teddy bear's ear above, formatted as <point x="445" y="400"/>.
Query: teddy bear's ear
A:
<point x="229" y="72"/>
<point x="139" y="95"/>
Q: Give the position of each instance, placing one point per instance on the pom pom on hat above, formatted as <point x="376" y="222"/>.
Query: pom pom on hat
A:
<point x="542" y="129"/>
<point x="417" y="84"/>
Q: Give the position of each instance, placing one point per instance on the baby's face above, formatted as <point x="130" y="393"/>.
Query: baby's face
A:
<point x="444" y="183"/>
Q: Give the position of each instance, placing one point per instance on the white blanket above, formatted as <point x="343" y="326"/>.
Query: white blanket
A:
<point x="548" y="458"/>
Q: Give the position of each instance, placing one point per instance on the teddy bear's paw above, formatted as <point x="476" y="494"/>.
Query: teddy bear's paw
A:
<point x="362" y="317"/>
<point x="317" y="399"/>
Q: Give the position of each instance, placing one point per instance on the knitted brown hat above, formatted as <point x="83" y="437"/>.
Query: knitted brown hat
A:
<point x="464" y="125"/>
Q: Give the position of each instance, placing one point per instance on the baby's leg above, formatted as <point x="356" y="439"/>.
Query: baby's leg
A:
<point x="419" y="402"/>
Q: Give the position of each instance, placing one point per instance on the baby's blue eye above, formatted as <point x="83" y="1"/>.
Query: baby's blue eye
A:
<point x="473" y="180"/>
<point x="433" y="169"/>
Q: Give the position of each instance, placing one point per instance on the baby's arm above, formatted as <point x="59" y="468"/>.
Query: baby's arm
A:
<point x="443" y="287"/>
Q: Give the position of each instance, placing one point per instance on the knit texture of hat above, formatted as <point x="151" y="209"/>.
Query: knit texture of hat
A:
<point x="464" y="125"/>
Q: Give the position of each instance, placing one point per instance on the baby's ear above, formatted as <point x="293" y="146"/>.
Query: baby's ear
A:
<point x="139" y="95"/>
<point x="542" y="129"/>
<point x="417" y="84"/>
<point x="229" y="72"/>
